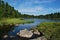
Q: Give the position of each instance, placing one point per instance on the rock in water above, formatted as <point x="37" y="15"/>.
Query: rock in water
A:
<point x="11" y="36"/>
<point x="5" y="36"/>
<point x="36" y="32"/>
<point x="25" y="33"/>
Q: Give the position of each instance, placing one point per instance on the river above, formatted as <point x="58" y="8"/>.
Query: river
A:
<point x="16" y="29"/>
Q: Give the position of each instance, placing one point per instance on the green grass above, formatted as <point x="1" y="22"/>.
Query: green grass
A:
<point x="5" y="26"/>
<point x="51" y="30"/>
<point x="14" y="21"/>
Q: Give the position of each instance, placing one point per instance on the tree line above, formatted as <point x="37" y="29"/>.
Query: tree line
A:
<point x="8" y="11"/>
<point x="55" y="15"/>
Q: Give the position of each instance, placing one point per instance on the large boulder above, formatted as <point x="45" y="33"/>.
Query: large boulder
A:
<point x="25" y="33"/>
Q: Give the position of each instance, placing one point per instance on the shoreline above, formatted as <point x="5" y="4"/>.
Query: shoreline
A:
<point x="6" y="27"/>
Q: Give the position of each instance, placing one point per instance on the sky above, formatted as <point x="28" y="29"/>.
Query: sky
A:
<point x="35" y="7"/>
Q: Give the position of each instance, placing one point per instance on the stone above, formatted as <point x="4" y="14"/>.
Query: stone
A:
<point x="5" y="36"/>
<point x="36" y="32"/>
<point x="11" y="36"/>
<point x="11" y="24"/>
<point x="25" y="33"/>
<point x="31" y="30"/>
<point x="13" y="30"/>
<point x="16" y="24"/>
<point x="17" y="33"/>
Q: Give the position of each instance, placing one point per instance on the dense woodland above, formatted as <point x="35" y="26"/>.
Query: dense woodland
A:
<point x="55" y="15"/>
<point x="7" y="11"/>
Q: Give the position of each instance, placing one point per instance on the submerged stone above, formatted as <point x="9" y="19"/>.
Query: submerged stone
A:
<point x="5" y="36"/>
<point x="11" y="36"/>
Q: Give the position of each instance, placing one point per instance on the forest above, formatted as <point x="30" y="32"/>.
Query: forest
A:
<point x="55" y="15"/>
<point x="7" y="11"/>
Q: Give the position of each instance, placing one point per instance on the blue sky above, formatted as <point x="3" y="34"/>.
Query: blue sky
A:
<point x="35" y="7"/>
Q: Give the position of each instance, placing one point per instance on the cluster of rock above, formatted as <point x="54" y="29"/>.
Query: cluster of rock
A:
<point x="29" y="34"/>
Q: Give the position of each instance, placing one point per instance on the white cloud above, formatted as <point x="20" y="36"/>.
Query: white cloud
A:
<point x="39" y="10"/>
<point x="31" y="10"/>
<point x="54" y="9"/>
<point x="35" y="9"/>
<point x="32" y="2"/>
<point x="28" y="7"/>
<point x="39" y="1"/>
<point x="43" y="1"/>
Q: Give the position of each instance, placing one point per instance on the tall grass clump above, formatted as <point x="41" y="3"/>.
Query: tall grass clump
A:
<point x="51" y="30"/>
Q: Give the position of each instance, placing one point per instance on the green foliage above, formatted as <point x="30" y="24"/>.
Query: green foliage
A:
<point x="14" y="21"/>
<point x="55" y="15"/>
<point x="6" y="11"/>
<point x="50" y="30"/>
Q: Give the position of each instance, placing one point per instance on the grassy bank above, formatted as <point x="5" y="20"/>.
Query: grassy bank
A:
<point x="51" y="30"/>
<point x="14" y="21"/>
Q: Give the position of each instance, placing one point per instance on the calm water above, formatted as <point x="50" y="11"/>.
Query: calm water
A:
<point x="27" y="26"/>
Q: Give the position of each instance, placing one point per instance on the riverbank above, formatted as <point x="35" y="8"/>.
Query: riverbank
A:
<point x="7" y="24"/>
<point x="14" y="21"/>
<point x="51" y="30"/>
